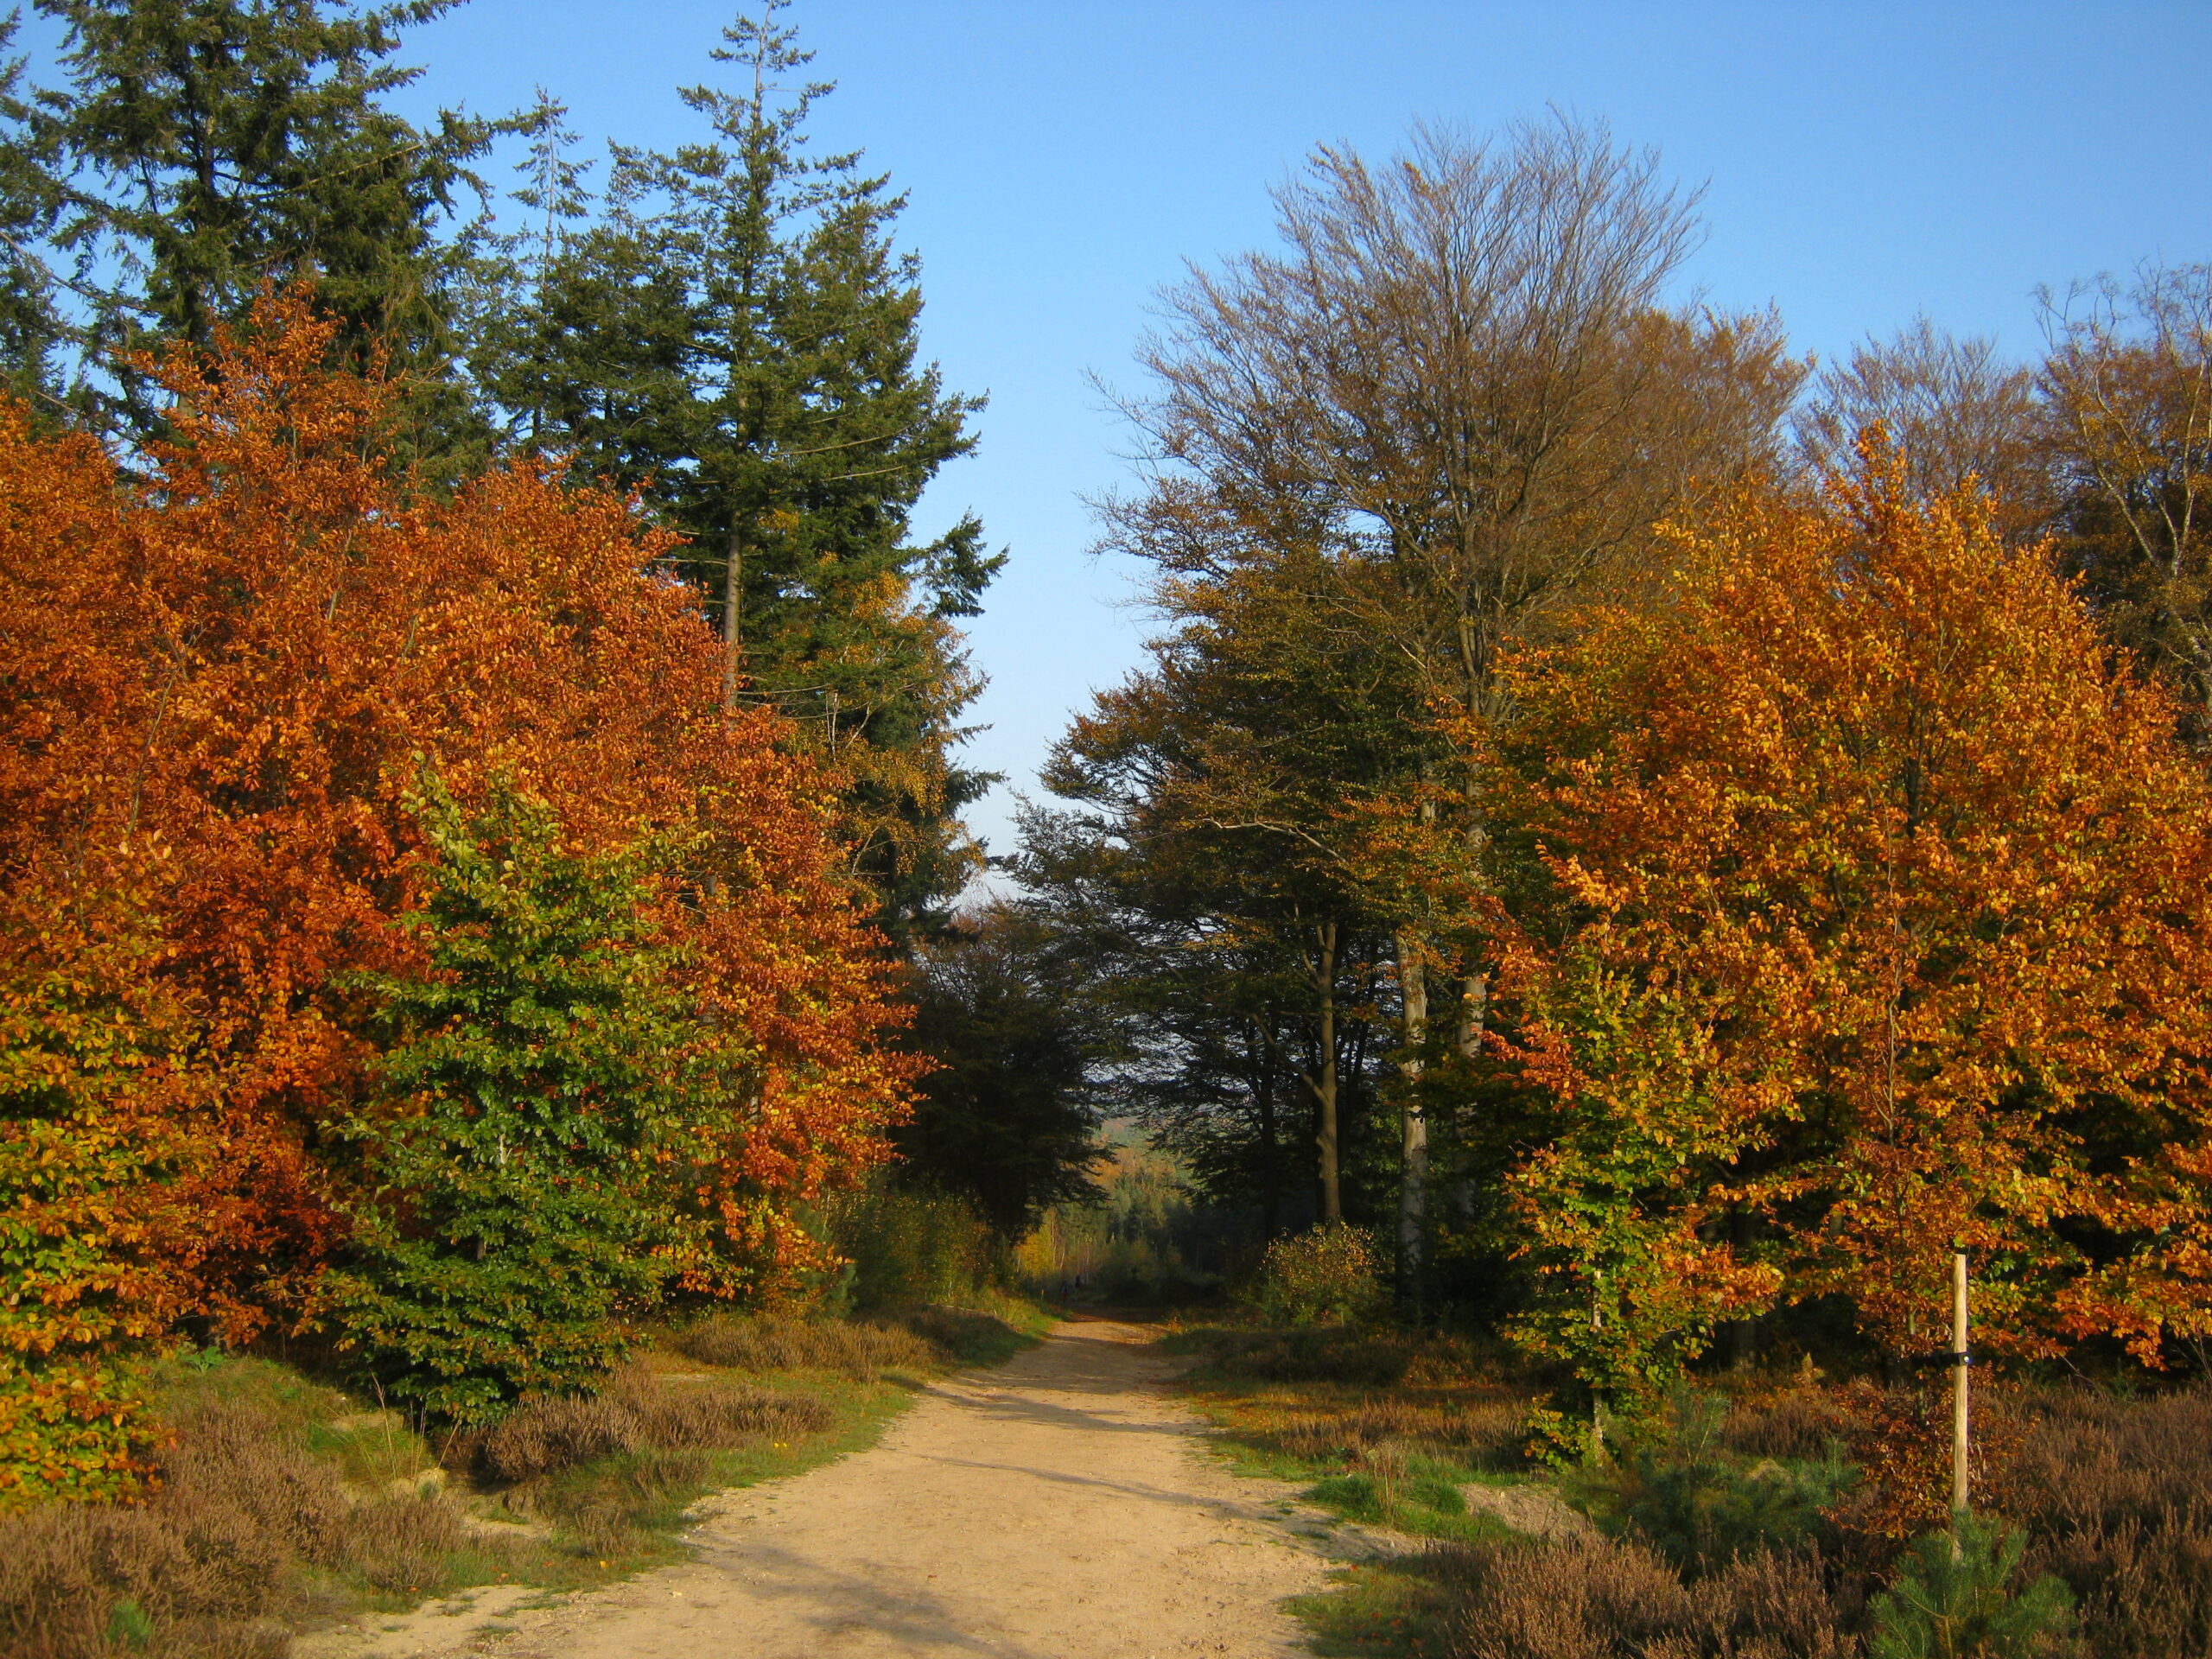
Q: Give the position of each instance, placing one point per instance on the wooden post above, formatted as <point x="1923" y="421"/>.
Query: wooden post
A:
<point x="1961" y="1364"/>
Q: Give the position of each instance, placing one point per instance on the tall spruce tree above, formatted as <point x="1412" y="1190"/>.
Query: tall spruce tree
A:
<point x="736" y="337"/>
<point x="197" y="148"/>
<point x="30" y="325"/>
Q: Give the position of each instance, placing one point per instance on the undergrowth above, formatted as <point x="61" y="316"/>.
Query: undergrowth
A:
<point x="1763" y="1523"/>
<point x="1380" y="1427"/>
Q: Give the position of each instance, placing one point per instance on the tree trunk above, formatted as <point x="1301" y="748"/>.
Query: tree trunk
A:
<point x="1264" y="1074"/>
<point x="733" y="581"/>
<point x="1324" y="1089"/>
<point x="1474" y="1019"/>
<point x="1413" y="1180"/>
<point x="1960" y="1417"/>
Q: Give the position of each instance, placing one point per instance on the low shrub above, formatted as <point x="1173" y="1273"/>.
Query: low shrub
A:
<point x="2115" y="1497"/>
<point x="1599" y="1600"/>
<point x="639" y="1414"/>
<point x="404" y="1543"/>
<point x="851" y="1347"/>
<point x="1481" y="1433"/>
<point x="1319" y="1354"/>
<point x="1329" y="1275"/>
<point x="542" y="1437"/>
<point x="226" y="1550"/>
<point x="1804" y="1423"/>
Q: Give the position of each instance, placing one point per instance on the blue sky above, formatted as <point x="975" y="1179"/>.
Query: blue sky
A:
<point x="1862" y="162"/>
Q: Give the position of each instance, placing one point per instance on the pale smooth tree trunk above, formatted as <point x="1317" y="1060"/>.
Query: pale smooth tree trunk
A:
<point x="1474" y="1019"/>
<point x="1960" y="1423"/>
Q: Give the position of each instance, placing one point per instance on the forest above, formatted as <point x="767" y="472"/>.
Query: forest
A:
<point x="1632" y="850"/>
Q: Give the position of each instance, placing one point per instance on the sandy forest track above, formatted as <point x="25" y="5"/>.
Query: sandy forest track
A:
<point x="1061" y="1507"/>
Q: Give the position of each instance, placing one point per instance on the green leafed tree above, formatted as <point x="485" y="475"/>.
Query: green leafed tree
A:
<point x="737" y="338"/>
<point x="540" y="1085"/>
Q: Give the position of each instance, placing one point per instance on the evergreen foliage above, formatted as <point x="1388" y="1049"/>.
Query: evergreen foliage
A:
<point x="1006" y="1118"/>
<point x="201" y="148"/>
<point x="1955" y="1600"/>
<point x="737" y="339"/>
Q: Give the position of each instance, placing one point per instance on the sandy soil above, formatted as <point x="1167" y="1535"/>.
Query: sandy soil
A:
<point x="1061" y="1507"/>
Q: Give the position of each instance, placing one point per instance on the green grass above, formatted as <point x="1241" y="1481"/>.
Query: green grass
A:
<point x="1396" y="1610"/>
<point x="1377" y="1428"/>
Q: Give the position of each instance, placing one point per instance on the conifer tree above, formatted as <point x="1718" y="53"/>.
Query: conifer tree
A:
<point x="199" y="148"/>
<point x="737" y="338"/>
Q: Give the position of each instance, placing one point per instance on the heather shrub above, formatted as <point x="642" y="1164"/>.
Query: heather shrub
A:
<point x="1339" y="1354"/>
<point x="2115" y="1496"/>
<point x="541" y="1437"/>
<point x="1478" y="1434"/>
<point x="637" y="1415"/>
<point x="1610" y="1600"/>
<point x="224" y="1550"/>
<point x="744" y="1343"/>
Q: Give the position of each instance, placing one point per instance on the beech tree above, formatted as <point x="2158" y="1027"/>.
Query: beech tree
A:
<point x="1881" y="917"/>
<point x="224" y="677"/>
<point x="2127" y="401"/>
<point x="541" y="1103"/>
<point x="1954" y="411"/>
<point x="1459" y="381"/>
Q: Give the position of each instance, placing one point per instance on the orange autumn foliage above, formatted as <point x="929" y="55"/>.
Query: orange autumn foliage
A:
<point x="1894" y="890"/>
<point x="222" y="677"/>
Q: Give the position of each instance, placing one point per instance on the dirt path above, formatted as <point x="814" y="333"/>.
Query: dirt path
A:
<point x="1060" y="1507"/>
